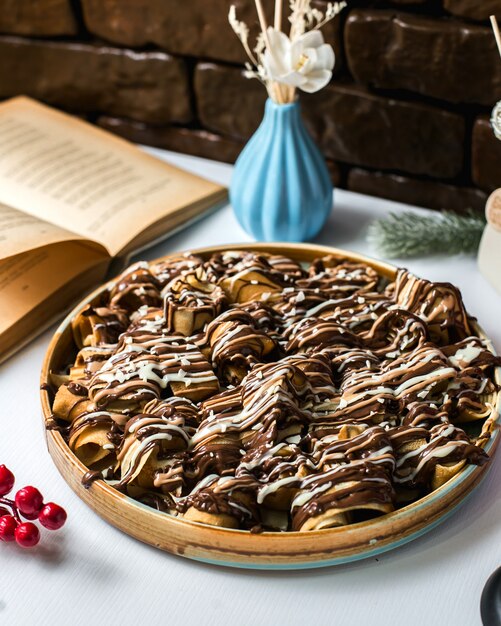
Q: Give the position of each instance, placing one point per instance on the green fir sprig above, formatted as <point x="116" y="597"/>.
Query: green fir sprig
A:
<point x="409" y="234"/>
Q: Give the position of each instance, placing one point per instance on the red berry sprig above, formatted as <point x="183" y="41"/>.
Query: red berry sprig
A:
<point x="28" y="503"/>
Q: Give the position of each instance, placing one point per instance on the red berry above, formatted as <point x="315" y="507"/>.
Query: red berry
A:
<point x="8" y="525"/>
<point x="52" y="516"/>
<point x="29" y="501"/>
<point x="27" y="535"/>
<point x="6" y="480"/>
<point x="4" y="511"/>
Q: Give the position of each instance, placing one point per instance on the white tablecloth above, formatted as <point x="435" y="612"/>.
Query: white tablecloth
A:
<point x="90" y="573"/>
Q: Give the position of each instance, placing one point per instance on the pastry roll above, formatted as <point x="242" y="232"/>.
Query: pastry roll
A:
<point x="440" y="305"/>
<point x="150" y="439"/>
<point x="226" y="502"/>
<point x="126" y="382"/>
<point x="227" y="264"/>
<point x="279" y="471"/>
<point x="317" y="368"/>
<point x="353" y="469"/>
<point x="169" y="475"/>
<point x="170" y="361"/>
<point x="437" y="457"/>
<point x="264" y="317"/>
<point x="216" y="450"/>
<point x="164" y="271"/>
<point x="332" y="498"/>
<point x="191" y="302"/>
<point x="235" y="345"/>
<point x="313" y="334"/>
<point x="185" y="369"/>
<point x="71" y="400"/>
<point x="212" y="512"/>
<point x="95" y="326"/>
<point x="340" y="278"/>
<point x="134" y="288"/>
<point x="356" y="312"/>
<point x="290" y="269"/>
<point x="395" y="333"/>
<point x="253" y="280"/>
<point x="90" y="439"/>
<point x="222" y="264"/>
<point x="89" y="360"/>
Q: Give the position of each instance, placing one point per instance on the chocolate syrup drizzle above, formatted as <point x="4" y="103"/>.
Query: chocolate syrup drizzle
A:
<point x="249" y="389"/>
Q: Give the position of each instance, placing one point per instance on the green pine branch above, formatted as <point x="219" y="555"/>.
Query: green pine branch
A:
<point x="408" y="234"/>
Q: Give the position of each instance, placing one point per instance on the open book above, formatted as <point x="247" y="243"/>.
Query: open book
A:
<point x="72" y="199"/>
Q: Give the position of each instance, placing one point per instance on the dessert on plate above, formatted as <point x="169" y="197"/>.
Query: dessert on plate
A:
<point x="252" y="392"/>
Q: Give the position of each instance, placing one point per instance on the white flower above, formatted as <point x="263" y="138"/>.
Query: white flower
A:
<point x="306" y="62"/>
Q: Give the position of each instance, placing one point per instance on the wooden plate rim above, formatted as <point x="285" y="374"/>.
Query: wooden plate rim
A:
<point x="269" y="550"/>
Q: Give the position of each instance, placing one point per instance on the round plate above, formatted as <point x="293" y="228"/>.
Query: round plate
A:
<point x="291" y="550"/>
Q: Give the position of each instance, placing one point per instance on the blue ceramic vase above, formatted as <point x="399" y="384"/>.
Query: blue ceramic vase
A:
<point x="281" y="189"/>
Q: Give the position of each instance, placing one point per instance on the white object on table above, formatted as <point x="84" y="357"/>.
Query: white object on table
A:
<point x="91" y="573"/>
<point x="489" y="252"/>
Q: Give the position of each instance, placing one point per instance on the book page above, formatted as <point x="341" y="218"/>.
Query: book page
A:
<point x="20" y="232"/>
<point x="37" y="258"/>
<point x="81" y="178"/>
<point x="27" y="280"/>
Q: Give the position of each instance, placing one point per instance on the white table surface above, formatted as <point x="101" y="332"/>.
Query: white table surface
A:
<point x="91" y="573"/>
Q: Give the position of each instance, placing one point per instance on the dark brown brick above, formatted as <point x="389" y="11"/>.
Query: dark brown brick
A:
<point x="486" y="156"/>
<point x="190" y="141"/>
<point x="37" y="17"/>
<point x="350" y="125"/>
<point x="334" y="171"/>
<point x="436" y="57"/>
<point x="147" y="86"/>
<point x="227" y="102"/>
<point x="425" y="193"/>
<point x="473" y="9"/>
<point x="194" y="27"/>
<point x="357" y="127"/>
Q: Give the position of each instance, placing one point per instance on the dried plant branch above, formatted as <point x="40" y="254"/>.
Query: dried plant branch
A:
<point x="241" y="30"/>
<point x="298" y="17"/>
<point x="333" y="9"/>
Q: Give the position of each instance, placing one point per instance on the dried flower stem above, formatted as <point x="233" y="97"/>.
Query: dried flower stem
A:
<point x="278" y="14"/>
<point x="262" y="20"/>
<point x="274" y="89"/>
<point x="497" y="34"/>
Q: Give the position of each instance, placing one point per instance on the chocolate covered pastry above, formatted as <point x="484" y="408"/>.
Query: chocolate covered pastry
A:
<point x="248" y="391"/>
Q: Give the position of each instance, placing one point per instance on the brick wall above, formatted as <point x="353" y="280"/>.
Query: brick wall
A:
<point x="406" y="116"/>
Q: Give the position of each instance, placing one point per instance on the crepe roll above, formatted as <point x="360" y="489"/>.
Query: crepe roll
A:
<point x="334" y="497"/>
<point x="251" y="284"/>
<point x="134" y="288"/>
<point x="95" y="326"/>
<point x="235" y="345"/>
<point x="71" y="400"/>
<point x="191" y="302"/>
<point x="90" y="439"/>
